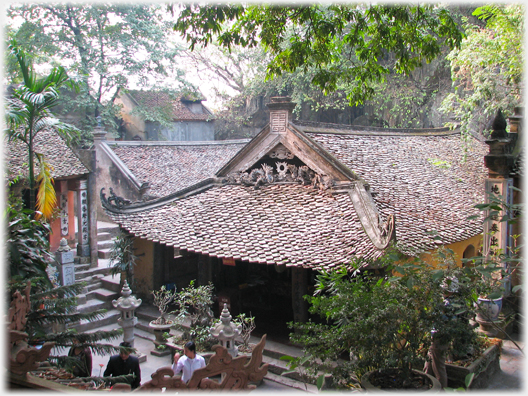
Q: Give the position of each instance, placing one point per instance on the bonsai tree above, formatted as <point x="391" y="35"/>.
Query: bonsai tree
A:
<point x="162" y="298"/>
<point x="194" y="302"/>
<point x="248" y="325"/>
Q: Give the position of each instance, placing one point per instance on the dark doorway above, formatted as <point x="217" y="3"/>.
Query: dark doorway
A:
<point x="258" y="290"/>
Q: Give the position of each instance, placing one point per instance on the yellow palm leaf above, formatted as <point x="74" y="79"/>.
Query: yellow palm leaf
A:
<point x="46" y="197"/>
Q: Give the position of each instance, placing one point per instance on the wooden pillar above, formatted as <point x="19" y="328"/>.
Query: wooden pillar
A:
<point x="299" y="289"/>
<point x="205" y="274"/>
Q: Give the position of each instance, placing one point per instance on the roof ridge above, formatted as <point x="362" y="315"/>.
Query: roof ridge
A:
<point x="360" y="129"/>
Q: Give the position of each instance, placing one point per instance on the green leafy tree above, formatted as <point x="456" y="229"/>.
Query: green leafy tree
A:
<point x="28" y="112"/>
<point x="343" y="42"/>
<point x="108" y="45"/>
<point x="487" y="69"/>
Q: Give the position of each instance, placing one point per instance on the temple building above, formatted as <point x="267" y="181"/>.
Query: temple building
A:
<point x="260" y="218"/>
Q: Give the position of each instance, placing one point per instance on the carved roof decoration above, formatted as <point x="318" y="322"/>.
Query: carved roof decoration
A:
<point x="318" y="195"/>
<point x="63" y="160"/>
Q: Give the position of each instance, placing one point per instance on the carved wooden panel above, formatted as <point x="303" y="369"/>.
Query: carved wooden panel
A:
<point x="236" y="373"/>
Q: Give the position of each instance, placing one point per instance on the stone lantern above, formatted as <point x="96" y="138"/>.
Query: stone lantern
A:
<point x="226" y="332"/>
<point x="127" y="304"/>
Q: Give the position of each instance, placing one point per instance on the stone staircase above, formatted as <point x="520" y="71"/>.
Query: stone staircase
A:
<point x="101" y="287"/>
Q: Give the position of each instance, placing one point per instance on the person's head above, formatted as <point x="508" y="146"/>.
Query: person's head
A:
<point x="190" y="350"/>
<point x="124" y="351"/>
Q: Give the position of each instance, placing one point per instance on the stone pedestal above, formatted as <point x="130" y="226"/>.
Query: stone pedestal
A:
<point x="66" y="266"/>
<point x="159" y="330"/>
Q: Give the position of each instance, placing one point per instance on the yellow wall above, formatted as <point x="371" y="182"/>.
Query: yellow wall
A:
<point x="134" y="125"/>
<point x="143" y="271"/>
<point x="458" y="248"/>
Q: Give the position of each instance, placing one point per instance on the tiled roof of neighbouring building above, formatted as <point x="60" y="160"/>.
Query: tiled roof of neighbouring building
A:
<point x="173" y="103"/>
<point x="64" y="162"/>
<point x="169" y="167"/>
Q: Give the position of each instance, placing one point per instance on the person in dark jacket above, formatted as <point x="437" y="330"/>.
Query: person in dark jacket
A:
<point x="124" y="364"/>
<point x="83" y="366"/>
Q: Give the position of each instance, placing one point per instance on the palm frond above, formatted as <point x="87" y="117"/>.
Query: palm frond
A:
<point x="46" y="197"/>
<point x="25" y="65"/>
<point x="61" y="291"/>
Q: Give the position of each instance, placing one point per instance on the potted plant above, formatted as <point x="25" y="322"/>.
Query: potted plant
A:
<point x="161" y="325"/>
<point x="194" y="304"/>
<point x="123" y="259"/>
<point x="489" y="289"/>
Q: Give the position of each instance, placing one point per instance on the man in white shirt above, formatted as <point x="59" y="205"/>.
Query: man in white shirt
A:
<point x="187" y="363"/>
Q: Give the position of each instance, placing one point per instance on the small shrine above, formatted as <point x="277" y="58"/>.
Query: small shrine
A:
<point x="226" y="332"/>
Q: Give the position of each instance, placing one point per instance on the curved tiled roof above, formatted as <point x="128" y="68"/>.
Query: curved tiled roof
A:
<point x="64" y="162"/>
<point x="169" y="167"/>
<point x="423" y="180"/>
<point x="286" y="224"/>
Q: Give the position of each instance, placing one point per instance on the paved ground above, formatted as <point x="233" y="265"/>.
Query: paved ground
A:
<point x="511" y="377"/>
<point x="153" y="363"/>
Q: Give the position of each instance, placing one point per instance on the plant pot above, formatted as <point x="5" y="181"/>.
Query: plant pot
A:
<point x="434" y="386"/>
<point x="484" y="367"/>
<point x="159" y="329"/>
<point x="488" y="309"/>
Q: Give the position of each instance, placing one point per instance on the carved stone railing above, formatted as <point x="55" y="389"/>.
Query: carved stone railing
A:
<point x="240" y="373"/>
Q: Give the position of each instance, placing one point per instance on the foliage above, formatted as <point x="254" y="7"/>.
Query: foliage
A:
<point x="28" y="113"/>
<point x="108" y="45"/>
<point x="248" y="325"/>
<point x="27" y="243"/>
<point x="317" y="35"/>
<point x="162" y="298"/>
<point x="52" y="312"/>
<point x="414" y="303"/>
<point x="194" y="302"/>
<point x="487" y="69"/>
<point x="122" y="257"/>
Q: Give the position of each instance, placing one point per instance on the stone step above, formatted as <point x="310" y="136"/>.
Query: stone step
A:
<point x="292" y="383"/>
<point x="108" y="229"/>
<point x="104" y="295"/>
<point x="82" y="267"/>
<point x="104" y="244"/>
<point x="110" y="318"/>
<point x="94" y="285"/>
<point x="112" y="283"/>
<point x="104" y="236"/>
<point x="93" y="305"/>
<point x="104" y="253"/>
<point x="79" y="275"/>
